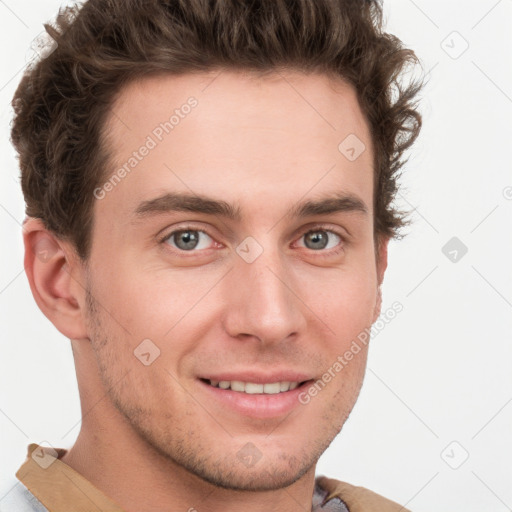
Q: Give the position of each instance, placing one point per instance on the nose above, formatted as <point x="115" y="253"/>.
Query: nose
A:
<point x="262" y="299"/>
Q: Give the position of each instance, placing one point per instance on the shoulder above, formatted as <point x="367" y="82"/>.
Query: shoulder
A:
<point x="15" y="497"/>
<point x="358" y="499"/>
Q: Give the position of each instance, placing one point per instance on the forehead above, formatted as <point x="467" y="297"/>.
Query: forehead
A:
<point x="234" y="98"/>
<point x="236" y="135"/>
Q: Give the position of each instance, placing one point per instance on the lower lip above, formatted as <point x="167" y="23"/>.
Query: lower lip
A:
<point x="258" y="405"/>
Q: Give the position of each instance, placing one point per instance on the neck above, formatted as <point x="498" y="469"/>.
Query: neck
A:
<point x="127" y="469"/>
<point x="139" y="479"/>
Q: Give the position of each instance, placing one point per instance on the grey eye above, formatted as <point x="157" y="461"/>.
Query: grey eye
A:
<point x="187" y="239"/>
<point x="319" y="239"/>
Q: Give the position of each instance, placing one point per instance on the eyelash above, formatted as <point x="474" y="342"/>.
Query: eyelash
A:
<point x="321" y="252"/>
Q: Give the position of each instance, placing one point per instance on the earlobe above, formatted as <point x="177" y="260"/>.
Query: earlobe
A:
<point x="378" y="305"/>
<point x="54" y="279"/>
<point x="382" y="259"/>
<point x="381" y="263"/>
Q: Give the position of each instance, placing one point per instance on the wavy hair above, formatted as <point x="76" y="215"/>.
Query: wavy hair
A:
<point x="62" y="102"/>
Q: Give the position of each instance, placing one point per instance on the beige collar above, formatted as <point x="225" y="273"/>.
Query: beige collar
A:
<point x="59" y="487"/>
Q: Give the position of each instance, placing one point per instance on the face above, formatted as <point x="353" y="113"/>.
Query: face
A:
<point x="236" y="282"/>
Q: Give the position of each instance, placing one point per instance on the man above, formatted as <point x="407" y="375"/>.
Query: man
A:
<point x="209" y="190"/>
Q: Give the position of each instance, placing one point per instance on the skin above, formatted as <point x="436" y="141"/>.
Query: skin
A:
<point x="150" y="435"/>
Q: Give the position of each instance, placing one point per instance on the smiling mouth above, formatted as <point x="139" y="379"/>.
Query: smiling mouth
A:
<point x="252" y="388"/>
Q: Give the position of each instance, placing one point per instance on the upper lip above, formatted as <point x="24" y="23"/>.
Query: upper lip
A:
<point x="259" y="377"/>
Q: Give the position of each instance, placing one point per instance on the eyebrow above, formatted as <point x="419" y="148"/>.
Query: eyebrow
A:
<point x="184" y="202"/>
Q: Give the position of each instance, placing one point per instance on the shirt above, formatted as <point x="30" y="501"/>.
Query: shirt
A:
<point x="46" y="484"/>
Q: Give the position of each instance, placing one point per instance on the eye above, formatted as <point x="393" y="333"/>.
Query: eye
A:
<point x="188" y="239"/>
<point x="321" y="239"/>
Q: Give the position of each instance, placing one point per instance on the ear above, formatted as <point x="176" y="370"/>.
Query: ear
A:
<point x="56" y="278"/>
<point x="381" y="264"/>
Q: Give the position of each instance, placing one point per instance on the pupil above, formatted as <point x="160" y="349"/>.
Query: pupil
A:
<point x="190" y="240"/>
<point x="316" y="236"/>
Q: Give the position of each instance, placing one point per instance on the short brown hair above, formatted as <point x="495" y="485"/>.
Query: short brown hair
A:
<point x="62" y="101"/>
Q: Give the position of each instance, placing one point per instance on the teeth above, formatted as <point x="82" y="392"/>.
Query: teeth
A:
<point x="236" y="385"/>
<point x="250" y="387"/>
<point x="272" y="389"/>
<point x="253" y="388"/>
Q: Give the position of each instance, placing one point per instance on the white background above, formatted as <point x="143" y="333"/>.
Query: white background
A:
<point x="441" y="370"/>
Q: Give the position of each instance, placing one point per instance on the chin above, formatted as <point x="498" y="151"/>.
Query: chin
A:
<point x="265" y="478"/>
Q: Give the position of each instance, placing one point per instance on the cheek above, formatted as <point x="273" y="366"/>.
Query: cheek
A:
<point x="160" y="303"/>
<point x="149" y="301"/>
<point x="343" y="299"/>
